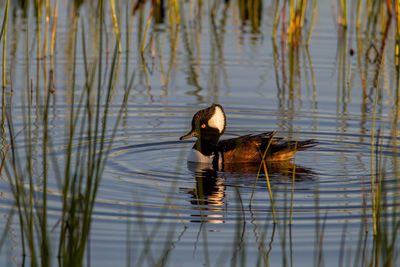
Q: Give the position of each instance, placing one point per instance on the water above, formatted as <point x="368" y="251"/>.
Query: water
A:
<point x="155" y="208"/>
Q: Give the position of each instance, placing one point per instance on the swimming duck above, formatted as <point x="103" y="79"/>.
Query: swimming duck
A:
<point x="209" y="124"/>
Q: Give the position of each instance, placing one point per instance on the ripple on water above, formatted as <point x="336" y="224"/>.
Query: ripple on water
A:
<point x="149" y="186"/>
<point x="153" y="166"/>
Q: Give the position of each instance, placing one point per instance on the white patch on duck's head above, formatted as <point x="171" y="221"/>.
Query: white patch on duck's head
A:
<point x="217" y="120"/>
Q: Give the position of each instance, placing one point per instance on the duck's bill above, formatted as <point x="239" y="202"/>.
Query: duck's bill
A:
<point x="188" y="135"/>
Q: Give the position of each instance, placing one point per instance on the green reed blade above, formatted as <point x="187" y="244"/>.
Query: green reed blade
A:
<point x="397" y="12"/>
<point x="292" y="26"/>
<point x="259" y="170"/>
<point x="176" y="11"/>
<point x="302" y="11"/>
<point x="4" y="31"/>
<point x="343" y="8"/>
<point x="3" y="25"/>
<point x="53" y="35"/>
<point x="46" y="31"/>
<point x="373" y="197"/>
<point x="116" y="27"/>
<point x="293" y="180"/>
<point x="276" y="19"/>
<point x="70" y="134"/>
<point x="269" y="190"/>
<point x="262" y="165"/>
<point x="147" y="30"/>
<point x="314" y="12"/>
<point x="17" y="189"/>
<point x="170" y="204"/>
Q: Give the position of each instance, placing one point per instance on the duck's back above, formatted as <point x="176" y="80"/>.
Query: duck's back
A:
<point x="251" y="148"/>
<point x="247" y="148"/>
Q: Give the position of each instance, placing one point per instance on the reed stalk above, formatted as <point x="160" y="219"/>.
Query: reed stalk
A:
<point x="146" y="30"/>
<point x="258" y="173"/>
<point x="292" y="189"/>
<point x="28" y="136"/>
<point x="53" y="35"/>
<point x="292" y="21"/>
<point x="358" y="14"/>
<point x="312" y="22"/>
<point x="171" y="205"/>
<point x="46" y="30"/>
<point x="397" y="30"/>
<point x="276" y="19"/>
<point x="373" y="190"/>
<point x="44" y="246"/>
<point x="269" y="190"/>
<point x="71" y="131"/>
<point x="342" y="19"/>
<point x="372" y="168"/>
<point x="263" y="165"/>
<point x="116" y="26"/>
<point x="4" y="33"/>
<point x="379" y="177"/>
<point x="176" y="12"/>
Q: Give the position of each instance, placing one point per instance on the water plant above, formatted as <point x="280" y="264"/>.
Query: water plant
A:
<point x="3" y="35"/>
<point x="79" y="177"/>
<point x="292" y="27"/>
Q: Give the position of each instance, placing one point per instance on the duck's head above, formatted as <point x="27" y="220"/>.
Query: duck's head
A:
<point x="208" y="124"/>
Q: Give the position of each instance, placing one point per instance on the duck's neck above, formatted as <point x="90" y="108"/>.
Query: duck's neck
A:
<point x="205" y="146"/>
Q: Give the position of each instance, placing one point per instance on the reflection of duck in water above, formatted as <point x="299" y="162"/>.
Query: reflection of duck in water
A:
<point x="209" y="194"/>
<point x="209" y="124"/>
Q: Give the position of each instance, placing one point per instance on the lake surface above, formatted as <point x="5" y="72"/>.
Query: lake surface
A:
<point x="153" y="208"/>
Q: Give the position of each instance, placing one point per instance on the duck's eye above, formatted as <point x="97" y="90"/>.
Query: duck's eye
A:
<point x="203" y="125"/>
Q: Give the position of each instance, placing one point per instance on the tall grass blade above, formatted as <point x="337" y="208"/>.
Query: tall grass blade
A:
<point x="4" y="33"/>
<point x="146" y="30"/>
<point x="116" y="26"/>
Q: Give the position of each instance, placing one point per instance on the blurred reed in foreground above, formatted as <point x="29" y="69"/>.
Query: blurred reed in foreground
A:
<point x="78" y="169"/>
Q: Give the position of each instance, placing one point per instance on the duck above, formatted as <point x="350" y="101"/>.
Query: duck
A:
<point x="209" y="124"/>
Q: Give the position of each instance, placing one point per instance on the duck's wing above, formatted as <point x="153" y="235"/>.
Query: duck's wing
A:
<point x="244" y="140"/>
<point x="244" y="148"/>
<point x="284" y="150"/>
<point x="251" y="148"/>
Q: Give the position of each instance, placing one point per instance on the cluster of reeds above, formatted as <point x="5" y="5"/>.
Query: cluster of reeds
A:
<point x="297" y="13"/>
<point x="373" y="26"/>
<point x="157" y="14"/>
<point x="365" y="14"/>
<point x="78" y="167"/>
<point x="292" y="60"/>
<point x="372" y="21"/>
<point x="181" y="24"/>
<point x="251" y="11"/>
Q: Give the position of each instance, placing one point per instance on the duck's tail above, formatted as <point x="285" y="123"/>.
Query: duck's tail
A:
<point x="302" y="145"/>
<point x="285" y="150"/>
